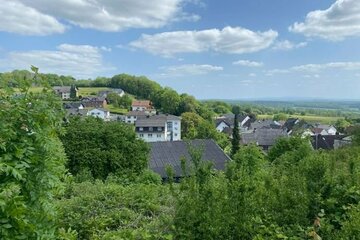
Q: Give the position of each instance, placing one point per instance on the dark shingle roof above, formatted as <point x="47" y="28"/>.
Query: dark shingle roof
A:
<point x="62" y="89"/>
<point x="326" y="142"/>
<point x="265" y="124"/>
<point x="229" y="119"/>
<point x="290" y="123"/>
<point x="263" y="136"/>
<point x="170" y="153"/>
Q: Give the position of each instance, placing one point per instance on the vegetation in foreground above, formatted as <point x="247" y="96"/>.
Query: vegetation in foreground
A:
<point x="291" y="193"/>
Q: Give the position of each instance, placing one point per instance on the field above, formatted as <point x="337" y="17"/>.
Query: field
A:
<point x="91" y="91"/>
<point x="116" y="110"/>
<point x="308" y="118"/>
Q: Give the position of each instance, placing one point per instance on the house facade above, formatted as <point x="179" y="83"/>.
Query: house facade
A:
<point x="99" y="113"/>
<point x="118" y="91"/>
<point x="65" y="91"/>
<point x="158" y="128"/>
<point x="132" y="116"/>
<point x="225" y="123"/>
<point x="142" y="105"/>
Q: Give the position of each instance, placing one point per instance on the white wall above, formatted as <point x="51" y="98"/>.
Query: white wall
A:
<point x="99" y="113"/>
<point x="152" y="137"/>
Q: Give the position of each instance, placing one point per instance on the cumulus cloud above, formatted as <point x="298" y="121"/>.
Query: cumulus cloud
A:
<point x="235" y="40"/>
<point x="109" y="15"/>
<point x="190" y="69"/>
<point x="287" y="45"/>
<point x="339" y="21"/>
<point x="81" y="61"/>
<point x="15" y="17"/>
<point x="248" y="63"/>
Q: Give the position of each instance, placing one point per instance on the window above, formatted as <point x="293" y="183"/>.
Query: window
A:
<point x="158" y="135"/>
<point x="150" y="129"/>
<point x="159" y="128"/>
<point x="176" y="134"/>
<point x="141" y="129"/>
<point x="150" y="135"/>
<point x="176" y="123"/>
<point x="141" y="135"/>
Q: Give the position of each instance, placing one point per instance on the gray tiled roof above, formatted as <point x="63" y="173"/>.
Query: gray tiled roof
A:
<point x="265" y="124"/>
<point x="137" y="113"/>
<point x="155" y="120"/>
<point x="263" y="136"/>
<point x="62" y="89"/>
<point x="229" y="119"/>
<point x="170" y="153"/>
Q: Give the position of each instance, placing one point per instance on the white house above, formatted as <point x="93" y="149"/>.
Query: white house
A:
<point x="142" y="105"/>
<point x="226" y="122"/>
<point x="132" y="116"/>
<point x="158" y="128"/>
<point x="64" y="91"/>
<point x="117" y="91"/>
<point x="100" y="113"/>
<point x="324" y="130"/>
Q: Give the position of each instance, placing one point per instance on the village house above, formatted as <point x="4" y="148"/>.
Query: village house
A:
<point x="76" y="112"/>
<point x="99" y="113"/>
<point x="225" y="123"/>
<point x="132" y="116"/>
<point x="94" y="102"/>
<point x="329" y="142"/>
<point x="265" y="123"/>
<point x="324" y="129"/>
<point x="118" y="91"/>
<point x="290" y="124"/>
<point x="73" y="105"/>
<point x="263" y="137"/>
<point x="158" y="128"/>
<point x="165" y="154"/>
<point x="65" y="91"/>
<point x="142" y="105"/>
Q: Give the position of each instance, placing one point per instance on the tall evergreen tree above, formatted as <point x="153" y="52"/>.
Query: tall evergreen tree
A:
<point x="73" y="92"/>
<point x="235" y="142"/>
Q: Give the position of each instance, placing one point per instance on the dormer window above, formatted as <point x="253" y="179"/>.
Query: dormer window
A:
<point x="141" y="129"/>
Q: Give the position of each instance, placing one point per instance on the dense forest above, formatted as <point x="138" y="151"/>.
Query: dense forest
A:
<point x="88" y="179"/>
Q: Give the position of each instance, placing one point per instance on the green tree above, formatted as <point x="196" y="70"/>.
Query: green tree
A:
<point x="103" y="148"/>
<point x="341" y="125"/>
<point x="280" y="117"/>
<point x="73" y="92"/>
<point x="235" y="141"/>
<point x="31" y="159"/>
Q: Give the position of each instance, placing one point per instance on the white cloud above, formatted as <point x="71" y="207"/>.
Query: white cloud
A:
<point x="315" y="68"/>
<point x="235" y="40"/>
<point x="331" y="65"/>
<point x="111" y="15"/>
<point x="106" y="49"/>
<point x="81" y="61"/>
<point x="339" y="21"/>
<point x="287" y="45"/>
<point x="248" y="63"/>
<point x="190" y="69"/>
<point x="252" y="75"/>
<point x="16" y="17"/>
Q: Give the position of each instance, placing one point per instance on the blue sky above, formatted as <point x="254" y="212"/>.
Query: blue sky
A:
<point x="232" y="49"/>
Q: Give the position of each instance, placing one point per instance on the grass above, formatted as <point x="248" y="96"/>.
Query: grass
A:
<point x="91" y="91"/>
<point x="113" y="109"/>
<point x="308" y="118"/>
